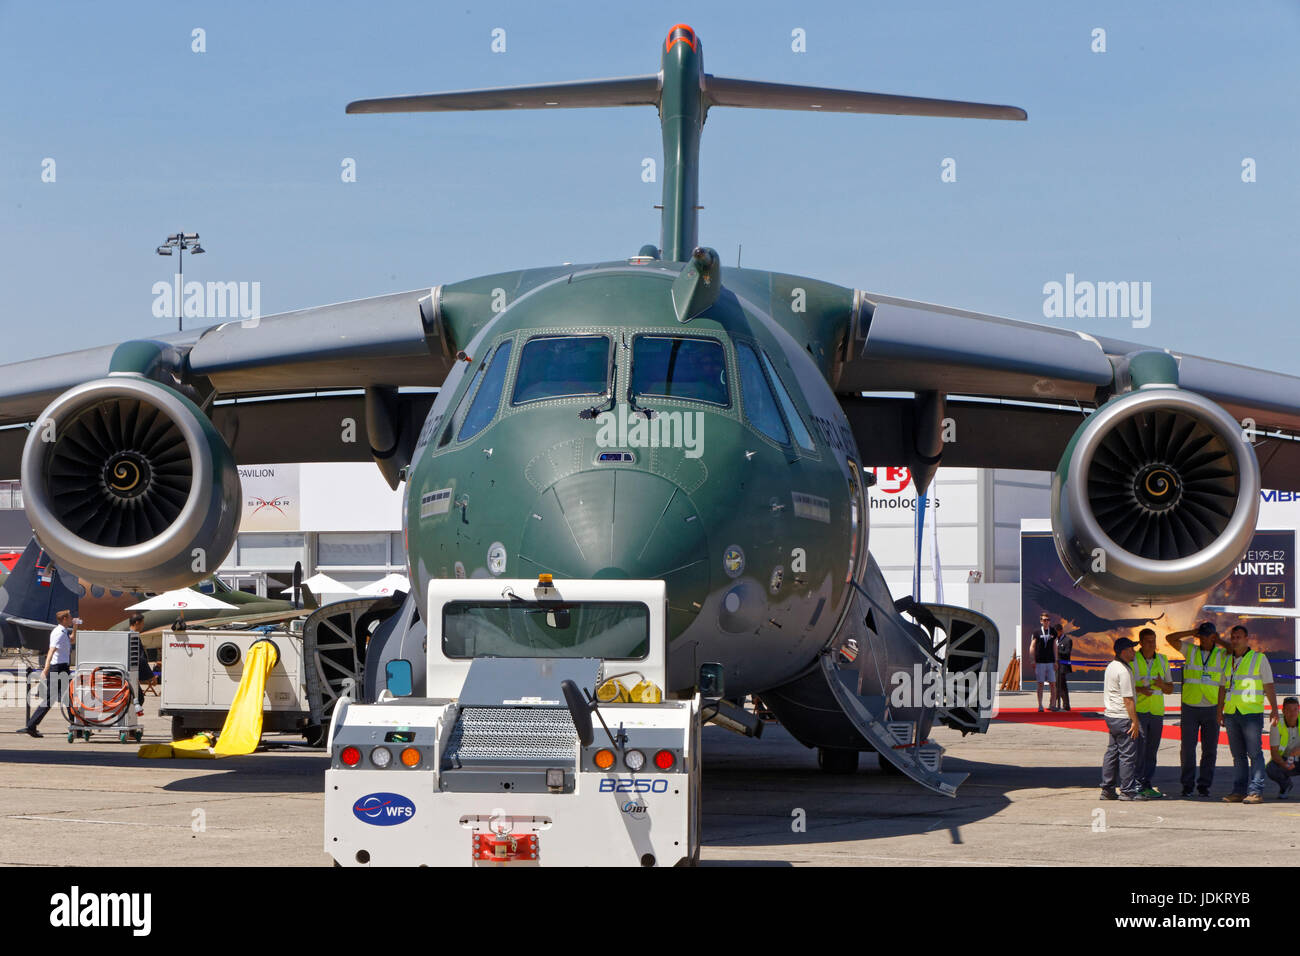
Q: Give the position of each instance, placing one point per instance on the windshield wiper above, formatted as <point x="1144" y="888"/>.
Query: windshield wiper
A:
<point x="649" y="413"/>
<point x="589" y="413"/>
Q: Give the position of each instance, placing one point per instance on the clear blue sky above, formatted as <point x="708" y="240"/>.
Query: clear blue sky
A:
<point x="1128" y="169"/>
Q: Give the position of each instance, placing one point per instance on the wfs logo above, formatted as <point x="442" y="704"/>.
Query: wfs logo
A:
<point x="383" y="809"/>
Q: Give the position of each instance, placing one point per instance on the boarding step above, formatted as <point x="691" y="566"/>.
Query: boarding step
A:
<point x="930" y="756"/>
<point x="904" y="733"/>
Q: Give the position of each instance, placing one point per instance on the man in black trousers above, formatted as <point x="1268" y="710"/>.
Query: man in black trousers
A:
<point x="55" y="673"/>
<point x="1064" y="647"/>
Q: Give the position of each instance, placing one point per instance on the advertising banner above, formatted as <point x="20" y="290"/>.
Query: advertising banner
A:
<point x="1264" y="581"/>
<point x="271" y="497"/>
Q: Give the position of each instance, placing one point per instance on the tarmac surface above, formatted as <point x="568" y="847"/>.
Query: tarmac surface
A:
<point x="1031" y="799"/>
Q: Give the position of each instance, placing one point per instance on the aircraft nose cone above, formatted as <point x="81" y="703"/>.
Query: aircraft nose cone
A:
<point x="615" y="523"/>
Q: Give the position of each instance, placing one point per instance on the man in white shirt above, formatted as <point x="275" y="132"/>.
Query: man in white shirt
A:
<point x="55" y="673"/>
<point x="1121" y="758"/>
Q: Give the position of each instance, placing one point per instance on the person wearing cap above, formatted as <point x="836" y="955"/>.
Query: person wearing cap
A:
<point x="1249" y="681"/>
<point x="1284" y="747"/>
<point x="1151" y="677"/>
<point x="1042" y="644"/>
<point x="1205" y="663"/>
<point x="1121" y="760"/>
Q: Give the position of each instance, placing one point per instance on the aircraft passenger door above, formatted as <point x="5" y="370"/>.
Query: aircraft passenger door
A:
<point x="858" y="518"/>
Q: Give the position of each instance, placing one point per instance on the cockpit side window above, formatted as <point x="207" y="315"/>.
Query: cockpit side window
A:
<point x="787" y="405"/>
<point x="455" y="416"/>
<point x="665" y="366"/>
<point x="760" y="404"/>
<point x="484" y="406"/>
<point x="561" y="366"/>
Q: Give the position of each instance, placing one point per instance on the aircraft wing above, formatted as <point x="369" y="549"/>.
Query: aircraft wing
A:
<point x="240" y="371"/>
<point x="1017" y="391"/>
<point x="1251" y="611"/>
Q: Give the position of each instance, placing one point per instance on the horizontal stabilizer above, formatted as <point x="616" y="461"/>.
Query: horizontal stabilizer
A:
<point x="616" y="91"/>
<point x="755" y="94"/>
<point x="718" y="91"/>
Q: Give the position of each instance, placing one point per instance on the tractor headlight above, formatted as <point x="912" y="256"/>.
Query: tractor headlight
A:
<point x="381" y="757"/>
<point x="634" y="760"/>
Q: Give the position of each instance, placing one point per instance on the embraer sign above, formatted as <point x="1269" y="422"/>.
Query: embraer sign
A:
<point x="1282" y="496"/>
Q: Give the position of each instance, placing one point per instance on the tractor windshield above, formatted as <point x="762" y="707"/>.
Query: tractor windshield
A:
<point x="605" y="630"/>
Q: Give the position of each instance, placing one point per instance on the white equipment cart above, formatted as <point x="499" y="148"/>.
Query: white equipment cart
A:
<point x="103" y="686"/>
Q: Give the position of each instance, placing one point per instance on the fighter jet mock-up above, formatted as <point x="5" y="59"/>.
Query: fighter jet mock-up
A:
<point x="659" y="416"/>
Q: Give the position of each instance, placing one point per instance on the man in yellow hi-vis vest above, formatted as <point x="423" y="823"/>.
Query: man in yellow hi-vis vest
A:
<point x="1151" y="681"/>
<point x="1284" y="747"/>
<point x="1249" y="681"/>
<point x="1205" y="663"/>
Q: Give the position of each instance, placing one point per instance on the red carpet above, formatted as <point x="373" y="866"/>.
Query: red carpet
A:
<point x="1092" y="720"/>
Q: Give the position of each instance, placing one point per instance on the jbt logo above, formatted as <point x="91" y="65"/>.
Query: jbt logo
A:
<point x="892" y="480"/>
<point x="383" y="809"/>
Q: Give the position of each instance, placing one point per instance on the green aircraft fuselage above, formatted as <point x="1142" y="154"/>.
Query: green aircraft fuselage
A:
<point x="753" y="514"/>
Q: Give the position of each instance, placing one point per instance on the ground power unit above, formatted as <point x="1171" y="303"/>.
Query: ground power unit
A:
<point x="201" y="671"/>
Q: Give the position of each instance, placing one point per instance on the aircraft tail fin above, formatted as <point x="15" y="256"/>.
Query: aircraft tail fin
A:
<point x="32" y="592"/>
<point x="683" y="94"/>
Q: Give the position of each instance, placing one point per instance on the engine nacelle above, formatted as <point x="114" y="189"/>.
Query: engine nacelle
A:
<point x="123" y="479"/>
<point x="1156" y="496"/>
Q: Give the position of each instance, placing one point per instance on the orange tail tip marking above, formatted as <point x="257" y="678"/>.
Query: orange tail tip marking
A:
<point x="680" y="33"/>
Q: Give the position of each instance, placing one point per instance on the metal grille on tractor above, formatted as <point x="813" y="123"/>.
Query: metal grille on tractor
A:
<point x="504" y="733"/>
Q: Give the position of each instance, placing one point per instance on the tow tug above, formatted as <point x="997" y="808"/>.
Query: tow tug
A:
<point x="502" y="763"/>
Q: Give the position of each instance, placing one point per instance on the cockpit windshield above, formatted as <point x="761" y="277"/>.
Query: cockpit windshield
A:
<point x="608" y="630"/>
<point x="665" y="366"/>
<point x="560" y="366"/>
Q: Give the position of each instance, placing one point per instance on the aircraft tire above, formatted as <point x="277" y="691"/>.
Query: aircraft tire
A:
<point x="888" y="766"/>
<point x="836" y="760"/>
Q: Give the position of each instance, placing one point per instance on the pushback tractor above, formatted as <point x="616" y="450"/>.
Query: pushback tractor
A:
<point x="545" y="738"/>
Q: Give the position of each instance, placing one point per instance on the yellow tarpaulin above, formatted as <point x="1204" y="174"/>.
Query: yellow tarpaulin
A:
<point x="199" y="745"/>
<point x="243" y="728"/>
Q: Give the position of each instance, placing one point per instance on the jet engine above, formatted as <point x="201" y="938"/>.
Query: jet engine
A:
<point x="1156" y="496"/>
<point x="128" y="485"/>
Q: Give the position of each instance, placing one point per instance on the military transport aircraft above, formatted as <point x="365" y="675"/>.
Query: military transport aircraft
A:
<point x="659" y="416"/>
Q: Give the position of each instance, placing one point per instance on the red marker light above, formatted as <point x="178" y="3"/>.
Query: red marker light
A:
<point x="351" y="756"/>
<point x="664" y="760"/>
<point x="680" y="33"/>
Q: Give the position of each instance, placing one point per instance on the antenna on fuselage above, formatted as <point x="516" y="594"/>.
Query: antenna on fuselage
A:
<point x="684" y="94"/>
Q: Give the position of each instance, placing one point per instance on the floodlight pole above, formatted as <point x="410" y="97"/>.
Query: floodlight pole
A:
<point x="180" y="242"/>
